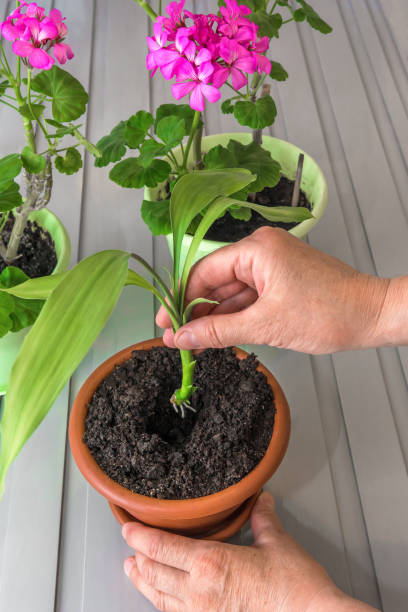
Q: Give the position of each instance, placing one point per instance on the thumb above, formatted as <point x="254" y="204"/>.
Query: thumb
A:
<point x="220" y="330"/>
<point x="264" y="521"/>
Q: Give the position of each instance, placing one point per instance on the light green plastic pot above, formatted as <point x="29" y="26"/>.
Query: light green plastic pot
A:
<point x="11" y="343"/>
<point x="313" y="184"/>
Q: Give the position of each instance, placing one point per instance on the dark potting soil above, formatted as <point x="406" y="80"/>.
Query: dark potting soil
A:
<point x="36" y="254"/>
<point x="229" y="229"/>
<point x="137" y="438"/>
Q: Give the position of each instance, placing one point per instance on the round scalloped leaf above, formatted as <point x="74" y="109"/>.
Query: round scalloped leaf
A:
<point x="130" y="173"/>
<point x="69" y="164"/>
<point x="257" y="115"/>
<point x="69" y="98"/>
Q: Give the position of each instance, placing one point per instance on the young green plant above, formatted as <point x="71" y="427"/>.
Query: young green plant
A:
<point x="79" y="303"/>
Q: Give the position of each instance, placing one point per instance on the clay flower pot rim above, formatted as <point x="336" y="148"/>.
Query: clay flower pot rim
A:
<point x="191" y="507"/>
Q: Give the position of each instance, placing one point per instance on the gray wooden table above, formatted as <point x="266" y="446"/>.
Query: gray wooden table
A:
<point x="342" y="489"/>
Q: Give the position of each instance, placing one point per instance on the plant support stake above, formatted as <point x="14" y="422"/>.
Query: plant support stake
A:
<point x="296" y="187"/>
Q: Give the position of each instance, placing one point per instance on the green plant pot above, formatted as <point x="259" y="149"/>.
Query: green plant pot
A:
<point x="313" y="184"/>
<point x="11" y="343"/>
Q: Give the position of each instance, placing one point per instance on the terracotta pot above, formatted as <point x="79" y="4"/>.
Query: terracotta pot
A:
<point x="209" y="516"/>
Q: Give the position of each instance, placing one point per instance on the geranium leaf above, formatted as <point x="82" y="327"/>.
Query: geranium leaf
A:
<point x="66" y="328"/>
<point x="37" y="110"/>
<point x="6" y="308"/>
<point x="239" y="212"/>
<point x="278" y="72"/>
<point x="21" y="313"/>
<point x="181" y="111"/>
<point x="156" y="215"/>
<point x="69" y="164"/>
<point x="227" y="106"/>
<point x="250" y="156"/>
<point x="313" y="19"/>
<point x="149" y="150"/>
<point x="10" y="167"/>
<point x="268" y="24"/>
<point x="130" y="173"/>
<point x="10" y="197"/>
<point x="256" y="115"/>
<point x="137" y="127"/>
<point x="299" y="15"/>
<point x="33" y="163"/>
<point x="4" y="85"/>
<point x="170" y="130"/>
<point x="112" y="146"/>
<point x="69" y="98"/>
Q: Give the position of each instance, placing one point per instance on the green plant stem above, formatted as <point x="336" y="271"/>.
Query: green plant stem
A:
<point x="146" y="6"/>
<point x="160" y="7"/>
<point x="10" y="105"/>
<point x="44" y="131"/>
<point x="288" y="20"/>
<point x="183" y="393"/>
<point x="273" y="7"/>
<point x="196" y="120"/>
<point x="198" y="137"/>
<point x="236" y="91"/>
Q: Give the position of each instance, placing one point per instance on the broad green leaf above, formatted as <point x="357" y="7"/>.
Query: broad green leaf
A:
<point x="130" y="173"/>
<point x="136" y="128"/>
<point x="240" y="212"/>
<point x="256" y="115"/>
<point x="10" y="198"/>
<point x="6" y="308"/>
<point x="193" y="192"/>
<point x="313" y="19"/>
<point x="170" y="130"/>
<point x="156" y="215"/>
<point x="69" y="164"/>
<point x="37" y="110"/>
<point x="278" y="72"/>
<point x="149" y="150"/>
<point x="21" y="313"/>
<point x="69" y="323"/>
<point x="33" y="163"/>
<point x="250" y="156"/>
<point x="34" y="288"/>
<point x="112" y="146"/>
<point x="4" y="85"/>
<point x="10" y="167"/>
<point x="268" y="24"/>
<point x="181" y="111"/>
<point x="299" y="15"/>
<point x="69" y="98"/>
<point x="227" y="106"/>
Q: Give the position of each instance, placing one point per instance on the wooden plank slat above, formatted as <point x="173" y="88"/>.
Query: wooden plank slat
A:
<point x="36" y="481"/>
<point x="90" y="573"/>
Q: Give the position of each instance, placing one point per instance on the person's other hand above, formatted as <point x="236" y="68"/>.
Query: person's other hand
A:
<point x="274" y="289"/>
<point x="178" y="574"/>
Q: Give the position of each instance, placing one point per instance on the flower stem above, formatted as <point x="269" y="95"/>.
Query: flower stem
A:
<point x="146" y="6"/>
<point x="196" y="120"/>
<point x="44" y="131"/>
<point x="198" y="136"/>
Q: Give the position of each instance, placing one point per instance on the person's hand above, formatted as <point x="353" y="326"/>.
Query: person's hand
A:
<point x="273" y="288"/>
<point x="178" y="574"/>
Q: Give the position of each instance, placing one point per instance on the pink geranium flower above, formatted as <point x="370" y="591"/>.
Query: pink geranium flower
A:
<point x="194" y="80"/>
<point x="262" y="62"/>
<point x="34" y="34"/>
<point x="237" y="60"/>
<point x="161" y="56"/>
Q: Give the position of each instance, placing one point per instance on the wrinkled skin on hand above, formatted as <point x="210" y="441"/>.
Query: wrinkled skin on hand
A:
<point x="178" y="574"/>
<point x="275" y="289"/>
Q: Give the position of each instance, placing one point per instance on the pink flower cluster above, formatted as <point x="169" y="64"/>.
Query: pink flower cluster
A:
<point x="203" y="51"/>
<point x="34" y="35"/>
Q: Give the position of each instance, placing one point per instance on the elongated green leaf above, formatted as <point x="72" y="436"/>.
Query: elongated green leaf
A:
<point x="22" y="313"/>
<point x="133" y="278"/>
<point x="68" y="325"/>
<point x="191" y="305"/>
<point x="42" y="287"/>
<point x="218" y="207"/>
<point x="193" y="192"/>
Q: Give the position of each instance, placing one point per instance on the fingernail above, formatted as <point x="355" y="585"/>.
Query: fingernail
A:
<point x="187" y="340"/>
<point x="128" y="564"/>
